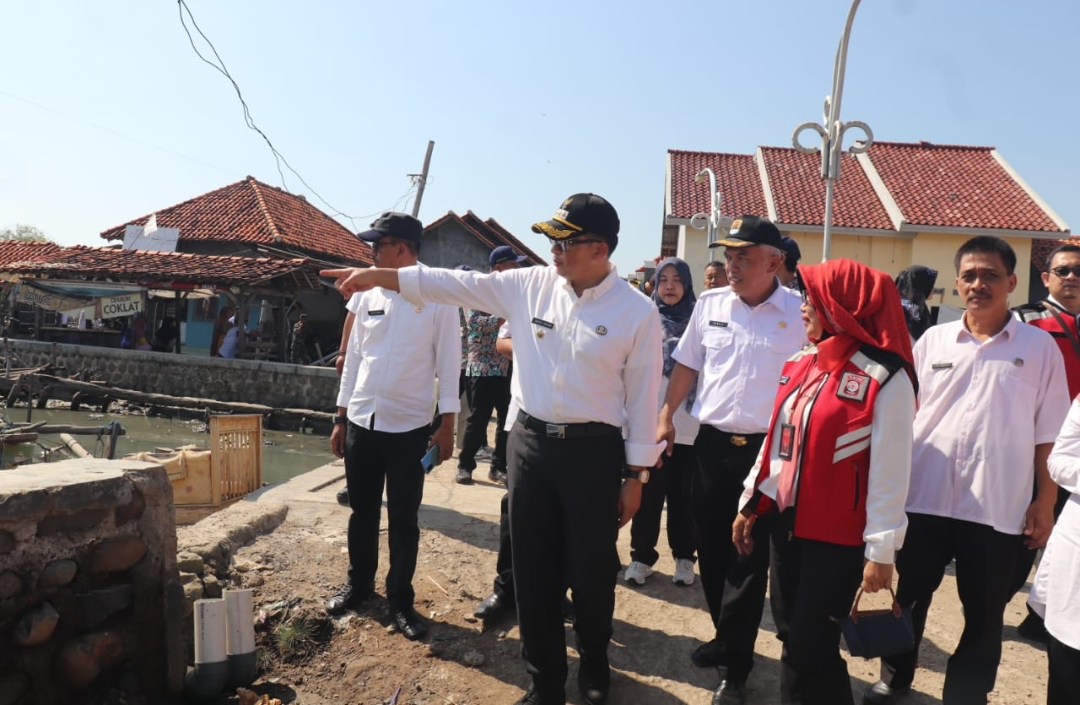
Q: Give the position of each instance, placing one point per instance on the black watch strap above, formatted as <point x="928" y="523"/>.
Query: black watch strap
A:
<point x="627" y="473"/>
<point x="341" y="420"/>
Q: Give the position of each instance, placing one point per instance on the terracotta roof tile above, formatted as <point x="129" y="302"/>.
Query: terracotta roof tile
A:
<point x="141" y="266"/>
<point x="250" y="211"/>
<point x="12" y="251"/>
<point x="736" y="178"/>
<point x="955" y="186"/>
<point x="798" y="192"/>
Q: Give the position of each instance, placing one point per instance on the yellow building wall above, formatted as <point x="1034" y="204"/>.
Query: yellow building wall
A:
<point x="693" y="249"/>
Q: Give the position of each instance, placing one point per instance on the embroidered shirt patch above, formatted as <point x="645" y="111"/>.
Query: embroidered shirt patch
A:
<point x="853" y="386"/>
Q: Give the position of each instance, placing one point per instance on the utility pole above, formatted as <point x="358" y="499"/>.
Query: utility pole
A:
<point x="421" y="179"/>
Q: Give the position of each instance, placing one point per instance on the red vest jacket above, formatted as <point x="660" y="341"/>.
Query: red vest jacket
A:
<point x="834" y="457"/>
<point x="1040" y="317"/>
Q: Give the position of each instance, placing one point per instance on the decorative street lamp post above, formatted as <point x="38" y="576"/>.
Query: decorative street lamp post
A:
<point x="701" y="221"/>
<point x="832" y="133"/>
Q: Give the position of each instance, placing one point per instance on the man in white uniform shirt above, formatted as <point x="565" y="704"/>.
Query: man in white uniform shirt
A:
<point x="587" y="360"/>
<point x="737" y="341"/>
<point x="395" y="352"/>
<point x="992" y="397"/>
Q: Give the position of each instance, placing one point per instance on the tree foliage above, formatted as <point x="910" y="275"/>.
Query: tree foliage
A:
<point x="25" y="233"/>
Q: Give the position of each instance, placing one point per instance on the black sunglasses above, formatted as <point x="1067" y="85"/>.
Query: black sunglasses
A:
<point x="1063" y="272"/>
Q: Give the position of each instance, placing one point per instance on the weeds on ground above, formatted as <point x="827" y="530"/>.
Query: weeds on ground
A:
<point x="294" y="636"/>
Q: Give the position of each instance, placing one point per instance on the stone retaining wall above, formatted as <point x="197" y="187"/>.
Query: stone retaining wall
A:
<point x="270" y="383"/>
<point x="90" y="596"/>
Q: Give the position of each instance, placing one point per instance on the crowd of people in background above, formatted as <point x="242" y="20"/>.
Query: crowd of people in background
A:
<point x="810" y="430"/>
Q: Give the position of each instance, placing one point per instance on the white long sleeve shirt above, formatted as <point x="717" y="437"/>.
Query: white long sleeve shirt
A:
<point x="597" y="357"/>
<point x="394" y="354"/>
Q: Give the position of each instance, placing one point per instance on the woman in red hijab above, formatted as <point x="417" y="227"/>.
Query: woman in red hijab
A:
<point x="835" y="465"/>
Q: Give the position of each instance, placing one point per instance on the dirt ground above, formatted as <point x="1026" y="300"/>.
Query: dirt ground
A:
<point x="356" y="659"/>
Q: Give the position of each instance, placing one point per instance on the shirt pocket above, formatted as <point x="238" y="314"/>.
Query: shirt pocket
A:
<point x="718" y="344"/>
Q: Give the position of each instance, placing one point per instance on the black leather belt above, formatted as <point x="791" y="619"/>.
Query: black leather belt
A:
<point x="739" y="439"/>
<point x="567" y="430"/>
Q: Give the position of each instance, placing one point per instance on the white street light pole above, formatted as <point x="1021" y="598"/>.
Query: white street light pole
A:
<point x="701" y="221"/>
<point x="832" y="134"/>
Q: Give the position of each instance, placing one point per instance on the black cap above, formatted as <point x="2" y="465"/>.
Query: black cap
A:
<point x="791" y="251"/>
<point x="401" y="226"/>
<point x="505" y="253"/>
<point x="750" y="230"/>
<point x="582" y="213"/>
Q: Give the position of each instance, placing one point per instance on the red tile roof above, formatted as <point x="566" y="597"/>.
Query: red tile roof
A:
<point x="958" y="187"/>
<point x="141" y="266"/>
<point x="1042" y="247"/>
<point x="12" y="251"/>
<point x="798" y="192"/>
<point x="252" y="212"/>
<point x="736" y="178"/>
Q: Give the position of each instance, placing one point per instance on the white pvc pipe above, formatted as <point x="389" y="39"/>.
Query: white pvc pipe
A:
<point x="241" y="623"/>
<point x="209" y="631"/>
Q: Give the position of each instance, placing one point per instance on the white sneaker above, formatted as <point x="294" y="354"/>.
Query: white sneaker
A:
<point x="684" y="572"/>
<point x="637" y="572"/>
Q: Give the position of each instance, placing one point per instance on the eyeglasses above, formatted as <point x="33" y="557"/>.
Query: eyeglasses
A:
<point x="382" y="243"/>
<point x="1063" y="272"/>
<point x="564" y="245"/>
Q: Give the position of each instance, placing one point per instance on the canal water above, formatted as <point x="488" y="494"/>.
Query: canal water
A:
<point x="286" y="454"/>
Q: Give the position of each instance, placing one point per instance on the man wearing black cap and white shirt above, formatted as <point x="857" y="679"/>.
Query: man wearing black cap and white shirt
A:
<point x="736" y="342"/>
<point x="792" y="255"/>
<point x="395" y="352"/>
<point x="587" y="349"/>
<point x="488" y="376"/>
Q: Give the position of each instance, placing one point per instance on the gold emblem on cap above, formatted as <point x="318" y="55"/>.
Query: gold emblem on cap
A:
<point x="602" y="330"/>
<point x="735" y="225"/>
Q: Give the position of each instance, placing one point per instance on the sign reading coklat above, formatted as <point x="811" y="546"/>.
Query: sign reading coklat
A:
<point x="118" y="306"/>
<point x="122" y="305"/>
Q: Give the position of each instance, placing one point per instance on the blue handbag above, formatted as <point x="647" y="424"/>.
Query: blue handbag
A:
<point x="877" y="633"/>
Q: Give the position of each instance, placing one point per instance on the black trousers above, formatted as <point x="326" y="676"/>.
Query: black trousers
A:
<point x="1063" y="685"/>
<point x="734" y="585"/>
<point x="504" y="563"/>
<point x="564" y="496"/>
<point x="372" y="459"/>
<point x="670" y="483"/>
<point x="811" y="590"/>
<point x="985" y="561"/>
<point x="487" y="394"/>
<point x="1025" y="557"/>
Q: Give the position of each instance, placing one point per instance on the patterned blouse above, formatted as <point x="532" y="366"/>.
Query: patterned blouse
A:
<point x="482" y="359"/>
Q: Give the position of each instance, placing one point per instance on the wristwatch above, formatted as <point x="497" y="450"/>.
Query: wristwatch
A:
<point x="341" y="420"/>
<point x="641" y="476"/>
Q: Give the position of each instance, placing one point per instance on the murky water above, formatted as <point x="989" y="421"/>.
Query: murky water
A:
<point x="285" y="454"/>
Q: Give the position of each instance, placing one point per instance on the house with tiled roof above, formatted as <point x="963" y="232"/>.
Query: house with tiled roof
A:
<point x="895" y="205"/>
<point x="12" y="251"/>
<point x="454" y="240"/>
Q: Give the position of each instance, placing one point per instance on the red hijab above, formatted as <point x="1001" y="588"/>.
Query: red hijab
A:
<point x="858" y="306"/>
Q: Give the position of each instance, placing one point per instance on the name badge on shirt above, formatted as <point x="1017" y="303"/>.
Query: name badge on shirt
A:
<point x="377" y="312"/>
<point x="941" y="366"/>
<point x="546" y="324"/>
<point x="784" y="379"/>
<point x="787" y="441"/>
<point x="718" y="324"/>
<point x="853" y="386"/>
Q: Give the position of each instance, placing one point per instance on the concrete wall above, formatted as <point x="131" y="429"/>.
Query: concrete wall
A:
<point x="270" y="383"/>
<point x="89" y="589"/>
<point x="451" y="245"/>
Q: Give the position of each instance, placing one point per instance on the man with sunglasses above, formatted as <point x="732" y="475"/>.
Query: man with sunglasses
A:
<point x="588" y="362"/>
<point x="394" y="353"/>
<point x="1057" y="315"/>
<point x="736" y="343"/>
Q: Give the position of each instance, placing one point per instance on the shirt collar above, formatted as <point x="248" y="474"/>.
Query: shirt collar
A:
<point x="1008" y="331"/>
<point x="776" y="299"/>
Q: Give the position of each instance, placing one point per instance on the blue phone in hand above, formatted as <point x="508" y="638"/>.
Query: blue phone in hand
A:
<point x="430" y="458"/>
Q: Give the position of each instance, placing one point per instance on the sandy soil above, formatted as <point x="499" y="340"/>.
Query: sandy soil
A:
<point x="357" y="659"/>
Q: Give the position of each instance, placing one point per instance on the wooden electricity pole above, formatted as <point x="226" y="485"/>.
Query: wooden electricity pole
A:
<point x="422" y="179"/>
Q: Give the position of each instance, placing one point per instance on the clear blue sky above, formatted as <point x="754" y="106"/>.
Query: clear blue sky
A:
<point x="527" y="102"/>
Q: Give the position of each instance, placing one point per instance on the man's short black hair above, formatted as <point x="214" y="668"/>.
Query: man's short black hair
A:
<point x="413" y="247"/>
<point x="1070" y="248"/>
<point x="715" y="263"/>
<point x="988" y="245"/>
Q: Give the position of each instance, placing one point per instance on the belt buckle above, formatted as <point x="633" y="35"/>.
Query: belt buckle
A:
<point x="738" y="441"/>
<point x="555" y="430"/>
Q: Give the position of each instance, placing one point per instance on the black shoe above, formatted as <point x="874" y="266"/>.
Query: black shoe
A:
<point x="881" y="693"/>
<point x="493" y="607"/>
<point x="594" y="683"/>
<point x="730" y="693"/>
<point x="707" y="655"/>
<point x="343" y="497"/>
<point x="1033" y="629"/>
<point x="534" y="698"/>
<point x="409" y="623"/>
<point x="497" y="476"/>
<point x="568" y="614"/>
<point x="463" y="477"/>
<point x="348" y="598"/>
